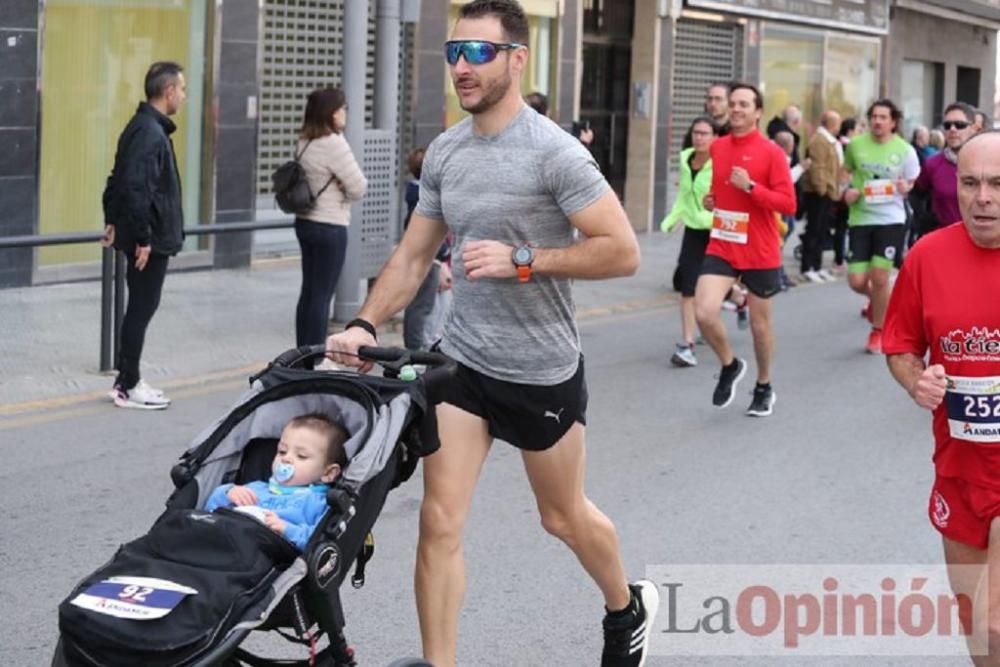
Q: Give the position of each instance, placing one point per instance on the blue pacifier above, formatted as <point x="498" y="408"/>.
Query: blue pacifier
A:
<point x="284" y="472"/>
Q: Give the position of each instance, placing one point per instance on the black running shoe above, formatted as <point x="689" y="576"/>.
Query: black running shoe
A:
<point x="762" y="404"/>
<point x="626" y="641"/>
<point x="725" y="390"/>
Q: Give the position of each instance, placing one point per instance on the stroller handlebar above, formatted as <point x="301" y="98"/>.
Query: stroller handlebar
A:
<point x="440" y="368"/>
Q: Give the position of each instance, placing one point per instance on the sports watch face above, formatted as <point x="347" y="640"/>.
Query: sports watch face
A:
<point x="523" y="256"/>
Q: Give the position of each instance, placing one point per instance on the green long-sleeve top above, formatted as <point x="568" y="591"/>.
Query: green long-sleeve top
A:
<point x="688" y="205"/>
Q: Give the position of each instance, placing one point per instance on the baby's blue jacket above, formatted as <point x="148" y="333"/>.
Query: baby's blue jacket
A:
<point x="301" y="507"/>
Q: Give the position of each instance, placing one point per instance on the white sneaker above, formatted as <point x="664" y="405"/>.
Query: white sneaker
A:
<point x="142" y="383"/>
<point x="813" y="277"/>
<point x="141" y="397"/>
<point x="684" y="356"/>
<point x="827" y="276"/>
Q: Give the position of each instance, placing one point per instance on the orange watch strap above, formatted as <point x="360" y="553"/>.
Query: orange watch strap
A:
<point x="524" y="273"/>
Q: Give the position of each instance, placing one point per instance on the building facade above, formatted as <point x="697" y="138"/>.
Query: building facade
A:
<point x="71" y="75"/>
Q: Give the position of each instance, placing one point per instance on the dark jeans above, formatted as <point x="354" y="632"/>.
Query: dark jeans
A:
<point x="323" y="249"/>
<point x="144" y="289"/>
<point x="840" y="213"/>
<point x="817" y="231"/>
<point x="417" y="316"/>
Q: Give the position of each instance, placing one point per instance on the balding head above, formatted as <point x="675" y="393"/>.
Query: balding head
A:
<point x="979" y="188"/>
<point x="792" y="116"/>
<point x="830" y="120"/>
<point x="786" y="140"/>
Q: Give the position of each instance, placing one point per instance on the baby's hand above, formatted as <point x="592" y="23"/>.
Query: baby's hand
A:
<point x="272" y="521"/>
<point x="241" y="495"/>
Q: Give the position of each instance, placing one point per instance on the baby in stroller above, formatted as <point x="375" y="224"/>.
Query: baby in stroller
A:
<point x="193" y="588"/>
<point x="310" y="457"/>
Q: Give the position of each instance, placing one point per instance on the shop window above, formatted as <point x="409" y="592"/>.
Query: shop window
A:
<point x="95" y="54"/>
<point x="922" y="94"/>
<point x="850" y="75"/>
<point x="792" y="72"/>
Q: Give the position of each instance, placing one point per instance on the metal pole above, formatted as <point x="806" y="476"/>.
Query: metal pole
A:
<point x="107" y="322"/>
<point x="120" y="269"/>
<point x="387" y="64"/>
<point x="349" y="296"/>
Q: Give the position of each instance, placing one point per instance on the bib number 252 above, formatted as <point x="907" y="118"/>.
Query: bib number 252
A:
<point x="982" y="406"/>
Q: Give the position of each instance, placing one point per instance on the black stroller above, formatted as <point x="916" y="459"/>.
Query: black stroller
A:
<point x="191" y="590"/>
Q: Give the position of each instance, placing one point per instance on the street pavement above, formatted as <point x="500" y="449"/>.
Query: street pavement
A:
<point x="839" y="474"/>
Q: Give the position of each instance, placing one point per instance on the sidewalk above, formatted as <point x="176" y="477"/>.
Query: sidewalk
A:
<point x="212" y="322"/>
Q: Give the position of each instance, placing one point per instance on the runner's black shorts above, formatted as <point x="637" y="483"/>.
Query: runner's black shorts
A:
<point x="530" y="417"/>
<point x="763" y="283"/>
<point x="874" y="246"/>
<point x="693" y="247"/>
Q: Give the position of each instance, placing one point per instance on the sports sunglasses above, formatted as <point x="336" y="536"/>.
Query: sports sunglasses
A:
<point x="957" y="124"/>
<point x="476" y="52"/>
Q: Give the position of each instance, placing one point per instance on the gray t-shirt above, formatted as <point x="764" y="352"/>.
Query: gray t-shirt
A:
<point x="517" y="187"/>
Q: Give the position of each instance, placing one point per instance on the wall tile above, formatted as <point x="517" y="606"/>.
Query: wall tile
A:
<point x="18" y="155"/>
<point x="18" y="57"/>
<point x="18" y="103"/>
<point x="233" y="103"/>
<point x="238" y="62"/>
<point x="19" y="14"/>
<point x="235" y="168"/>
<point x="239" y="20"/>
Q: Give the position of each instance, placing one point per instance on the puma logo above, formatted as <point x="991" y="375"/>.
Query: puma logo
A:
<point x="555" y="415"/>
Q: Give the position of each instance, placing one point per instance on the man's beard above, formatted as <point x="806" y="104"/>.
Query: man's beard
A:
<point x="493" y="92"/>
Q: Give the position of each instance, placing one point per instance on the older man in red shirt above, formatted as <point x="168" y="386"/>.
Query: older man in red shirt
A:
<point x="751" y="182"/>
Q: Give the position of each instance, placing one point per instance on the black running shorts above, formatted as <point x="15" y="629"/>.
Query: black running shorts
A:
<point x="692" y="254"/>
<point x="528" y="416"/>
<point x="874" y="246"/>
<point x="763" y="283"/>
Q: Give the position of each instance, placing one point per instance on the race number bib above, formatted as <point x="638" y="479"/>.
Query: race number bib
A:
<point x="732" y="226"/>
<point x="879" y="191"/>
<point x="134" y="598"/>
<point x="973" y="406"/>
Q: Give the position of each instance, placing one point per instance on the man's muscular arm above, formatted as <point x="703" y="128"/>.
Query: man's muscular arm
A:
<point x="925" y="384"/>
<point x="406" y="269"/>
<point x="608" y="248"/>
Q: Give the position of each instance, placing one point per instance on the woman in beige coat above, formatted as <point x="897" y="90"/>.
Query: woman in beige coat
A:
<point x="332" y="172"/>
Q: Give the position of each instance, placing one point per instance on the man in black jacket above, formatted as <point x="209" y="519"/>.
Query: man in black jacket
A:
<point x="144" y="220"/>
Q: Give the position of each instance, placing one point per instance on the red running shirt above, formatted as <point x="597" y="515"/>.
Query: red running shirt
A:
<point x="945" y="301"/>
<point x="773" y="192"/>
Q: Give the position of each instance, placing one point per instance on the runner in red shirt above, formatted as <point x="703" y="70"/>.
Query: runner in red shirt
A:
<point x="945" y="303"/>
<point x="750" y="182"/>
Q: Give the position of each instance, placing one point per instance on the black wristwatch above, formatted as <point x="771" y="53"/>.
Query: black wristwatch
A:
<point x="364" y="324"/>
<point x="750" y="187"/>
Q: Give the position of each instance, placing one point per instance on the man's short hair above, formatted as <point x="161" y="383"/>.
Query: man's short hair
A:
<point x="791" y="113"/>
<point x="758" y="99"/>
<point x="511" y="15"/>
<point x="334" y="434"/>
<point x="967" y="109"/>
<point x="538" y="102"/>
<point x="160" y="76"/>
<point x="785" y="139"/>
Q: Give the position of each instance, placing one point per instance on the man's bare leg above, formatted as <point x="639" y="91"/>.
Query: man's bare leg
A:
<point x="763" y="335"/>
<point x="687" y="319"/>
<point x="879" y="293"/>
<point x="708" y="298"/>
<point x="450" y="477"/>
<point x="556" y="477"/>
<point x="965" y="581"/>
<point x="860" y="283"/>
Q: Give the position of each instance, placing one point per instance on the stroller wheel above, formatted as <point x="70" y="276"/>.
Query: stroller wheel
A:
<point x="410" y="662"/>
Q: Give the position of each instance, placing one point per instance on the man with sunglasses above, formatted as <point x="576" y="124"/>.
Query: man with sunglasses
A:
<point x="939" y="175"/>
<point x="515" y="189"/>
<point x="882" y="167"/>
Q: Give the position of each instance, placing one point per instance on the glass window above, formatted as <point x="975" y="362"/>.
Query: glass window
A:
<point x="851" y="75"/>
<point x="921" y="94"/>
<point x="95" y="54"/>
<point x="791" y="72"/>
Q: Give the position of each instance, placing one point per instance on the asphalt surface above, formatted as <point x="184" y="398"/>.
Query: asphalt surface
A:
<point x="839" y="474"/>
